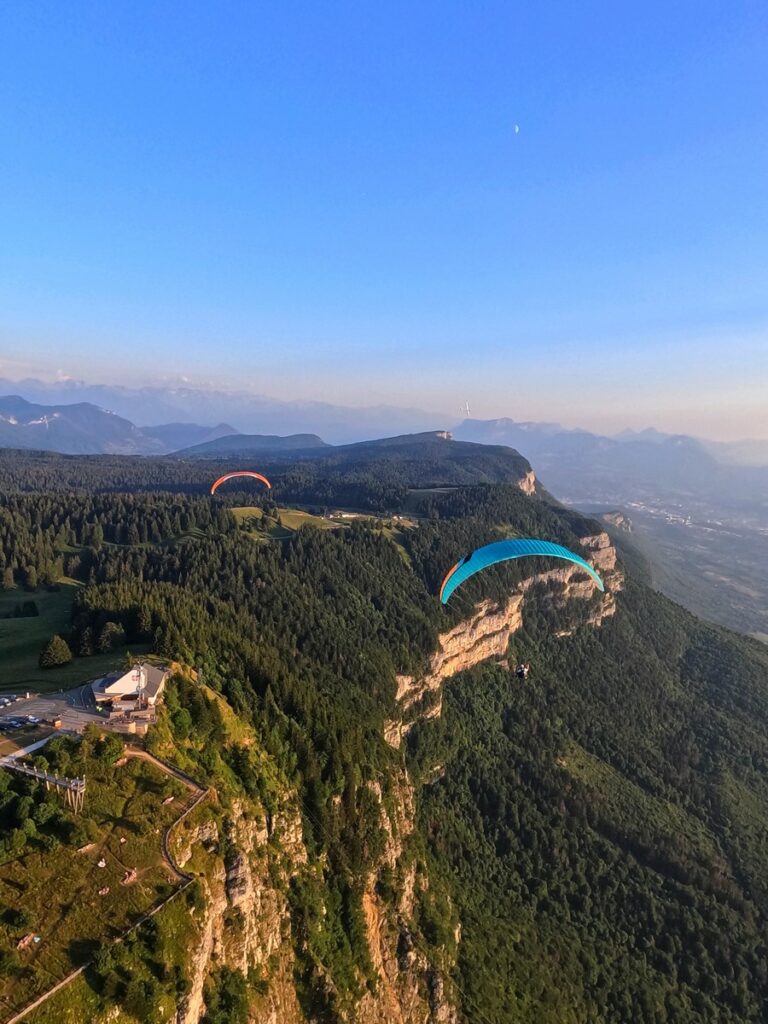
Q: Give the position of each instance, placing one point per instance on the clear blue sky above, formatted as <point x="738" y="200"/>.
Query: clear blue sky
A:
<point x="330" y="200"/>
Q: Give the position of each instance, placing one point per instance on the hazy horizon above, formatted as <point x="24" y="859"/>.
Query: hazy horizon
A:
<point x="552" y="213"/>
<point x="66" y="389"/>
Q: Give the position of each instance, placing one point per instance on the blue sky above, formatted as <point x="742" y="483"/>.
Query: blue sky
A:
<point x="330" y="200"/>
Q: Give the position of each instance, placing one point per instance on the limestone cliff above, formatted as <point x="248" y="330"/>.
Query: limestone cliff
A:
<point x="246" y="860"/>
<point x="245" y="923"/>
<point x="527" y="484"/>
<point x="619" y="520"/>
<point x="411" y="985"/>
<point x="244" y="865"/>
<point x="487" y="632"/>
<point x="485" y="635"/>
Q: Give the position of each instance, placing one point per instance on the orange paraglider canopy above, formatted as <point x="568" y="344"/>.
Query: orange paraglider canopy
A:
<point x="241" y="472"/>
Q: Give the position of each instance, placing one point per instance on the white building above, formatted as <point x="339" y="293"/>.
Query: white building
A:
<point x="141" y="686"/>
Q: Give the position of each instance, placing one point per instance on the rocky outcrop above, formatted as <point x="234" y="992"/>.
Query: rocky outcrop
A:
<point x="527" y="484"/>
<point x="573" y="584"/>
<point x="602" y="554"/>
<point x="246" y="922"/>
<point x="483" y="636"/>
<point x="206" y="834"/>
<point x="618" y="519"/>
<point x="411" y="986"/>
<point x="486" y="634"/>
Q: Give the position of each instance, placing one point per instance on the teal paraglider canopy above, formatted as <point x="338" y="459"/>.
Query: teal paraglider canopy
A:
<point x="504" y="551"/>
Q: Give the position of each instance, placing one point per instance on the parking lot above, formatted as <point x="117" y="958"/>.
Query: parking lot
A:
<point x="76" y="708"/>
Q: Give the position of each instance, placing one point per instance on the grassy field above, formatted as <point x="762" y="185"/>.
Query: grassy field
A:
<point x="294" y="518"/>
<point x="291" y="519"/>
<point x="12" y="742"/>
<point x="21" y="641"/>
<point x="59" y="889"/>
<point x="80" y="1002"/>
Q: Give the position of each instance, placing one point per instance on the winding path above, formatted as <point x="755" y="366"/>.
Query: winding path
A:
<point x="182" y="877"/>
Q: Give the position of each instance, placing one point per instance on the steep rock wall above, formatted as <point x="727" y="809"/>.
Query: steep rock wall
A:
<point x="487" y="632"/>
<point x="527" y="484"/>
<point x="411" y="986"/>
<point x="245" y="924"/>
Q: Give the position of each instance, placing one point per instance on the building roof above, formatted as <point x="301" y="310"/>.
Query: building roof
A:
<point x="123" y="684"/>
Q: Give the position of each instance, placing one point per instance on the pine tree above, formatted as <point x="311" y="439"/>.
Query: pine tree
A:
<point x="56" y="652"/>
<point x="144" y="623"/>
<point x="86" y="643"/>
<point x="111" y="636"/>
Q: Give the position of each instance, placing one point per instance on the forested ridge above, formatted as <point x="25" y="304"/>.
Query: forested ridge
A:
<point x="607" y="821"/>
<point x="599" y="831"/>
<point x="372" y="476"/>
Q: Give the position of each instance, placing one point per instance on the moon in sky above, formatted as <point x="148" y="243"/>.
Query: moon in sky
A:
<point x="517" y="129"/>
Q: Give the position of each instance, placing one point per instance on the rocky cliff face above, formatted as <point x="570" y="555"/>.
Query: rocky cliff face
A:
<point x="411" y="986"/>
<point x="245" y="924"/>
<point x="619" y="520"/>
<point x="244" y="867"/>
<point x="245" y="859"/>
<point x="528" y="483"/>
<point x="486" y="634"/>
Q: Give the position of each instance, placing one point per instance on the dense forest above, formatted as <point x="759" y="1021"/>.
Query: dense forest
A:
<point x="598" y="831"/>
<point x="373" y="476"/>
<point x="607" y="822"/>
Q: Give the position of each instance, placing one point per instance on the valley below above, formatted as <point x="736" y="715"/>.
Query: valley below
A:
<point x="712" y="560"/>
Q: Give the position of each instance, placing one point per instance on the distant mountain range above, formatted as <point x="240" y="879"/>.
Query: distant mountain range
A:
<point x="174" y="436"/>
<point x="85" y="429"/>
<point x="577" y="464"/>
<point x="257" y="414"/>
<point x="591" y="467"/>
<point x="249" y="444"/>
<point x="249" y="413"/>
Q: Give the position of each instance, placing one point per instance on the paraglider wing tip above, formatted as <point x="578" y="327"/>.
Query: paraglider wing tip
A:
<point x="451" y="571"/>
